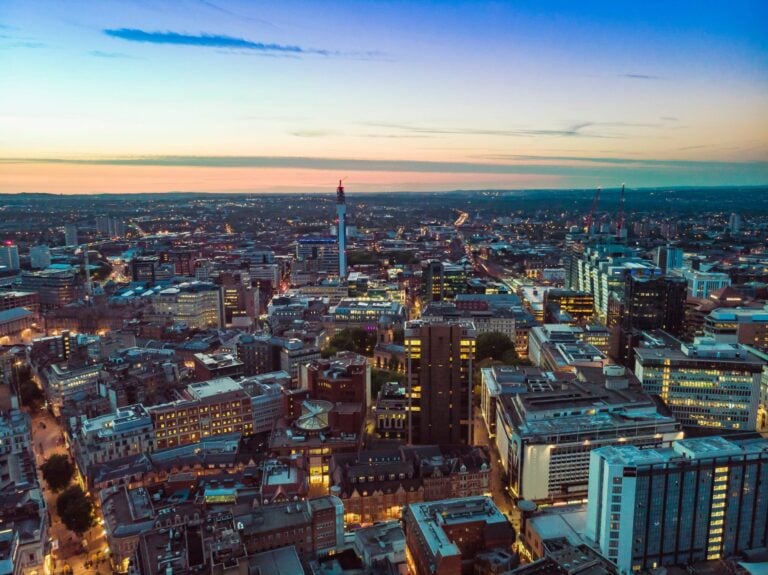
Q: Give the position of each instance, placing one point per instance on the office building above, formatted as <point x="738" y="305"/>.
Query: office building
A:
<point x="544" y="436"/>
<point x="734" y="223"/>
<point x="320" y="253"/>
<point x="344" y="378"/>
<point x="126" y="432"/>
<point x="442" y="280"/>
<point x="39" y="257"/>
<point x="55" y="288"/>
<point x="602" y="269"/>
<point x="267" y="401"/>
<point x="439" y="357"/>
<point x="65" y="384"/>
<point x="9" y="256"/>
<point x="194" y="304"/>
<point x="144" y="269"/>
<point x="560" y="347"/>
<point x="446" y="536"/>
<point x="294" y="354"/>
<point x="70" y="235"/>
<point x="747" y="326"/>
<point x="364" y="314"/>
<point x="207" y="409"/>
<point x="579" y="306"/>
<point x="702" y="284"/>
<point x="648" y="303"/>
<point x="704" y="383"/>
<point x="668" y="258"/>
<point x="700" y="499"/>
<point x="259" y="353"/>
<point x="27" y="299"/>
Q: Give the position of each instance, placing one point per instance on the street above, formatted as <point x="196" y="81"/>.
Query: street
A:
<point x="68" y="553"/>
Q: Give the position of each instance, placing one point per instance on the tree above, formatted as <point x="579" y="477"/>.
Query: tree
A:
<point x="353" y="339"/>
<point x="75" y="509"/>
<point x="379" y="377"/>
<point x="57" y="471"/>
<point x="493" y="345"/>
<point x="31" y="395"/>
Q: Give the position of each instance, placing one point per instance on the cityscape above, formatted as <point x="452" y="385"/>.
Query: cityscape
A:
<point x="300" y="325"/>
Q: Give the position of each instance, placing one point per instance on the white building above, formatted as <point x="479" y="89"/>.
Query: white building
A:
<point x="701" y="284"/>
<point x="544" y="437"/>
<point x="71" y="384"/>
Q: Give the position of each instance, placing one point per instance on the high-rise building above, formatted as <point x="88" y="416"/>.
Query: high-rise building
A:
<point x="734" y="223"/>
<point x="747" y="326"/>
<point x="704" y="383"/>
<point x="103" y="226"/>
<point x="668" y="258"/>
<point x="580" y="306"/>
<point x="144" y="268"/>
<point x="442" y="280"/>
<point x="701" y="499"/>
<point x="39" y="257"/>
<point x="70" y="235"/>
<point x="9" y="256"/>
<point x="195" y="304"/>
<point x="341" y="214"/>
<point x="648" y="303"/>
<point x="319" y="253"/>
<point x="439" y="357"/>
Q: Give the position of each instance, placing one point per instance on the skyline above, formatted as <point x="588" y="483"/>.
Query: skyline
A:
<point x="242" y="97"/>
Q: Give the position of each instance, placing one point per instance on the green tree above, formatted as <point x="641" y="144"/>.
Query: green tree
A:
<point x="380" y="376"/>
<point x="75" y="509"/>
<point x="57" y="471"/>
<point x="493" y="345"/>
<point x="353" y="339"/>
<point x="31" y="395"/>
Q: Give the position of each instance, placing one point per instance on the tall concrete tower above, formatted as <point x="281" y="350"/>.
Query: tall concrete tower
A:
<point x="341" y="213"/>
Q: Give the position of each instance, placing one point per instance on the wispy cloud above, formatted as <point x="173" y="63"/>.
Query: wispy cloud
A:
<point x="641" y="76"/>
<point x="576" y="130"/>
<point x="497" y="165"/>
<point x="236" y="15"/>
<point x="220" y="41"/>
<point x="313" y="133"/>
<point x="117" y="55"/>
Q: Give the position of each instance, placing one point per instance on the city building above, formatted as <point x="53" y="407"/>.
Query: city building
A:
<point x="208" y="408"/>
<point x="544" y="436"/>
<point x="445" y="536"/>
<point x="194" y="304"/>
<point x="668" y="258"/>
<point x="439" y="358"/>
<point x="294" y="354"/>
<point x="561" y="347"/>
<point x="701" y="284"/>
<point x="364" y="314"/>
<point x="9" y="256"/>
<point x="344" y="378"/>
<point x="70" y="235"/>
<point x="320" y="253"/>
<point x="700" y="499"/>
<point x="128" y="431"/>
<point x="443" y="280"/>
<point x="39" y="257"/>
<point x="67" y="384"/>
<point x="55" y="287"/>
<point x="267" y="402"/>
<point x="212" y="366"/>
<point x="704" y="383"/>
<point x="579" y="306"/>
<point x="747" y="326"/>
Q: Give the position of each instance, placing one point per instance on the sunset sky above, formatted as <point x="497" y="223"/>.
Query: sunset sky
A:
<point x="247" y="96"/>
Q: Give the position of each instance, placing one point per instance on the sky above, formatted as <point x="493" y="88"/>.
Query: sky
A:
<point x="248" y="96"/>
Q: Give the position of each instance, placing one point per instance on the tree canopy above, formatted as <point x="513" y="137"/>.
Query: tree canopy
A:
<point x="352" y="339"/>
<point x="57" y="471"/>
<point x="75" y="509"/>
<point x="495" y="345"/>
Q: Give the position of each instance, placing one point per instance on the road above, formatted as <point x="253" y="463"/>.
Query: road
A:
<point x="499" y="493"/>
<point x="47" y="440"/>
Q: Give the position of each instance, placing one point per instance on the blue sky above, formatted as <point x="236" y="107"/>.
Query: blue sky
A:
<point x="249" y="96"/>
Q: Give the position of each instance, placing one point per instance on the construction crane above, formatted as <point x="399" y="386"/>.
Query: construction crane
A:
<point x="620" y="217"/>
<point x="592" y="211"/>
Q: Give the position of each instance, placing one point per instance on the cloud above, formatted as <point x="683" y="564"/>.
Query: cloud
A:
<point x="117" y="55"/>
<point x="576" y="130"/>
<point x="220" y="41"/>
<point x="611" y="168"/>
<point x="640" y="76"/>
<point x="313" y="133"/>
